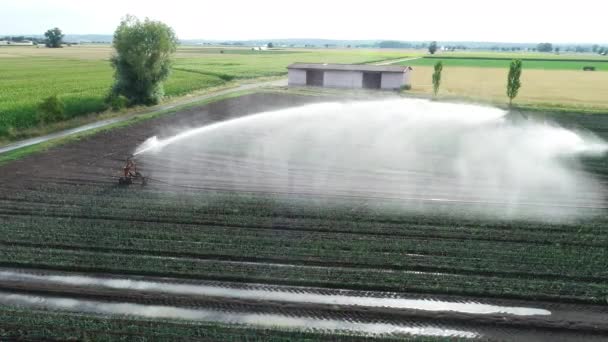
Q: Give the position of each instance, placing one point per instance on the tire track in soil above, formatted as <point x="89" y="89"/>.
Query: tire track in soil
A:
<point x="571" y="321"/>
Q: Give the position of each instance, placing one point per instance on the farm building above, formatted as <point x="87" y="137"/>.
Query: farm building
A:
<point x="388" y="77"/>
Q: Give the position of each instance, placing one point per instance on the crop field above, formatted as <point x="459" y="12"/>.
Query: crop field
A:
<point x="520" y="55"/>
<point x="569" y="89"/>
<point x="82" y="76"/>
<point x="496" y="62"/>
<point x="61" y="212"/>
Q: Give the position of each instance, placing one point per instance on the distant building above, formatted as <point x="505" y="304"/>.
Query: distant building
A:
<point x="389" y="77"/>
<point x="20" y="43"/>
<point x="24" y="42"/>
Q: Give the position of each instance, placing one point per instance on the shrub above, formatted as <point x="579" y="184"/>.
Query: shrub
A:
<point x="117" y="102"/>
<point x="52" y="109"/>
<point x="406" y="87"/>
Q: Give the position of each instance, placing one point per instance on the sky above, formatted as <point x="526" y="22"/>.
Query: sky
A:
<point x="525" y="21"/>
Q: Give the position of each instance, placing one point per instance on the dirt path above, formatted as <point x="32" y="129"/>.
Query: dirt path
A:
<point x="103" y="123"/>
<point x="397" y="61"/>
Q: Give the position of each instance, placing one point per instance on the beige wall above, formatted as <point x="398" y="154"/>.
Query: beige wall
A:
<point x="343" y="79"/>
<point x="393" y="80"/>
<point x="296" y="77"/>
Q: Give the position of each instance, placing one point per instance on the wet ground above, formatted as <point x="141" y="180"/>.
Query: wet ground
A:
<point x="97" y="161"/>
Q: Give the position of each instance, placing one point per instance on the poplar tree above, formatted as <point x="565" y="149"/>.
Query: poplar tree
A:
<point x="513" y="81"/>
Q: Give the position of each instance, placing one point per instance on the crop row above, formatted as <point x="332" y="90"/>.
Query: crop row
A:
<point x="464" y="256"/>
<point x="90" y="199"/>
<point x="167" y="229"/>
<point x="302" y="275"/>
<point x="369" y="229"/>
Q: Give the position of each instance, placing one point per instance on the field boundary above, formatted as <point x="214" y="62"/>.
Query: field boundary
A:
<point x="117" y="120"/>
<point x="523" y="59"/>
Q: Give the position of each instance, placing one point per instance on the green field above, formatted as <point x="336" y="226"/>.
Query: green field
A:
<point x="600" y="65"/>
<point x="193" y="234"/>
<point x="72" y="217"/>
<point x="82" y="76"/>
<point x="520" y="55"/>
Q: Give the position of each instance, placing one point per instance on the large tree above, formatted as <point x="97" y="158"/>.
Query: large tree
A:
<point x="142" y="60"/>
<point x="513" y="81"/>
<point x="54" y="38"/>
<point x="544" y="47"/>
<point x="433" y="48"/>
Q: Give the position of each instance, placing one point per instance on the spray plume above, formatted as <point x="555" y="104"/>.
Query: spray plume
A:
<point x="399" y="148"/>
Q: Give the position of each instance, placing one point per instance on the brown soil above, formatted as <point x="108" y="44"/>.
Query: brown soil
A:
<point x="99" y="159"/>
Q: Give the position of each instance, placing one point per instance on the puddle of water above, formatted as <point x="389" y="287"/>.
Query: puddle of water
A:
<point x="279" y="294"/>
<point x="266" y="320"/>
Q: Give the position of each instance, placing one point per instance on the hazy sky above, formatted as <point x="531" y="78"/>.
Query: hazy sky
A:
<point x="466" y="20"/>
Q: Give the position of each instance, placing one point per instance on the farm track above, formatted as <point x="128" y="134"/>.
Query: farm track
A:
<point x="60" y="211"/>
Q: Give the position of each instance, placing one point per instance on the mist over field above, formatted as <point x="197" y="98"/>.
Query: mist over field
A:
<point x="400" y="148"/>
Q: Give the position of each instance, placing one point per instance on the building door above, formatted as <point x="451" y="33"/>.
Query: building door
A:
<point x="314" y="78"/>
<point x="372" y="80"/>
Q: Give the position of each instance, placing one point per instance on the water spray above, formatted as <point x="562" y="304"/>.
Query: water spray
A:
<point x="403" y="148"/>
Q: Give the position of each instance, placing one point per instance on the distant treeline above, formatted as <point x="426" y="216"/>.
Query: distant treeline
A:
<point x="21" y="39"/>
<point x="35" y="40"/>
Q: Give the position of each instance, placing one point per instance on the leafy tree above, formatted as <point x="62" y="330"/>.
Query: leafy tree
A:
<point x="544" y="47"/>
<point x="594" y="48"/>
<point x="270" y="45"/>
<point x="437" y="77"/>
<point x="433" y="48"/>
<point x="54" y="38"/>
<point x="556" y="49"/>
<point x="142" y="60"/>
<point x="513" y="82"/>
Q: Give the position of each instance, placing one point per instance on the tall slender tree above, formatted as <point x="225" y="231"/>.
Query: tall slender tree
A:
<point x="437" y="77"/>
<point x="513" y="81"/>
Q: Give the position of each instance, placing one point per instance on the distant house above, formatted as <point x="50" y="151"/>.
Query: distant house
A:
<point x="389" y="77"/>
<point x="3" y="42"/>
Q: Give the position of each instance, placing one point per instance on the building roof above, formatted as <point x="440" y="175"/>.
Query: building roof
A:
<point x="349" y="67"/>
